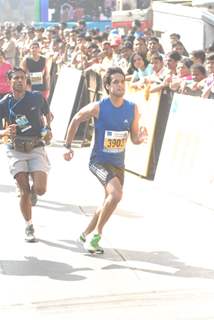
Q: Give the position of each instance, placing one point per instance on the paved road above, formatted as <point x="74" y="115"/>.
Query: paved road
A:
<point x="158" y="261"/>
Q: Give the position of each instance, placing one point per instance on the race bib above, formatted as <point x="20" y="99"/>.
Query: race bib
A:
<point x="23" y="123"/>
<point x="115" y="141"/>
<point x="36" y="78"/>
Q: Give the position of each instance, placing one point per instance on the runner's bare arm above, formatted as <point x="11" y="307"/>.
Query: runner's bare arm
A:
<point x="9" y="131"/>
<point x="138" y="132"/>
<point x="86" y="113"/>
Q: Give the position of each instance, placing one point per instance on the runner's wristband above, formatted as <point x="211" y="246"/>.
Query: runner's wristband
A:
<point x="67" y="146"/>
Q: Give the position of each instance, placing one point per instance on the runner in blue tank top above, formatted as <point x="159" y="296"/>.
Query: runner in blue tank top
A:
<point x="111" y="132"/>
<point x="115" y="119"/>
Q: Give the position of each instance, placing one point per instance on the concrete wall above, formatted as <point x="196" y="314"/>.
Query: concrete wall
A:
<point x="209" y="28"/>
<point x="195" y="25"/>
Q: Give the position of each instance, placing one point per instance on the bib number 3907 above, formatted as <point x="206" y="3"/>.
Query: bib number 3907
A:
<point x="115" y="141"/>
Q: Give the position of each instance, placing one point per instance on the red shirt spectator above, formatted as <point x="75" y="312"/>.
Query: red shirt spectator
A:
<point x="4" y="68"/>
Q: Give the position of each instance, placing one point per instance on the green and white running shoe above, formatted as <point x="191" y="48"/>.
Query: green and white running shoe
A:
<point x="94" y="245"/>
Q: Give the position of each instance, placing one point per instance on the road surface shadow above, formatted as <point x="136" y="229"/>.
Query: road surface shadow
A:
<point x="159" y="260"/>
<point x="153" y="262"/>
<point x="33" y="266"/>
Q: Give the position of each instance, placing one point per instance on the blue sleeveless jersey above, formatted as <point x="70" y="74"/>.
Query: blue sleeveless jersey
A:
<point x="111" y="132"/>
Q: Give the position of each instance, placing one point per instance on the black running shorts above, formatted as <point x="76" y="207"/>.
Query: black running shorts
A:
<point x="105" y="172"/>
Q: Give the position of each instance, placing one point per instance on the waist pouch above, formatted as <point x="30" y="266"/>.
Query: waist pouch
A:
<point x="26" y="143"/>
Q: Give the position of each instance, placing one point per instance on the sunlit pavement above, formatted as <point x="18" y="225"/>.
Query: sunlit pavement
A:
<point x="158" y="261"/>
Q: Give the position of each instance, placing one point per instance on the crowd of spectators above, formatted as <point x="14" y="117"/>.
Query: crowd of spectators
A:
<point x="140" y="54"/>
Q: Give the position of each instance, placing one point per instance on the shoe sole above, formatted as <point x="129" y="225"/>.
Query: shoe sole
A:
<point x="99" y="252"/>
<point x="31" y="240"/>
<point x="91" y="251"/>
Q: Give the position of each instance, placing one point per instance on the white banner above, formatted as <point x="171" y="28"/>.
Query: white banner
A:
<point x="138" y="156"/>
<point x="186" y="163"/>
<point x="63" y="100"/>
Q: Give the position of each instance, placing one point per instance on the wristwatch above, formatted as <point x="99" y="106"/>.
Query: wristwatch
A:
<point x="67" y="146"/>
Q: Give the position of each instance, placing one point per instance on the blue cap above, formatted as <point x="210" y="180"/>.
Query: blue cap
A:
<point x="138" y="34"/>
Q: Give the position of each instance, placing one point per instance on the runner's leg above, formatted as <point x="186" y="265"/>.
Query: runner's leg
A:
<point x="22" y="179"/>
<point x="114" y="193"/>
<point x="39" y="182"/>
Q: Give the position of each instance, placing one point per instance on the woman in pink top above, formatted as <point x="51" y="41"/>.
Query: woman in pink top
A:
<point x="4" y="84"/>
<point x="4" y="68"/>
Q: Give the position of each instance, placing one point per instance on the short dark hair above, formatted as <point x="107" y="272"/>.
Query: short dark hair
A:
<point x="154" y="39"/>
<point x="35" y="43"/>
<point x="176" y="35"/>
<point x="199" y="54"/>
<point x="200" y="68"/>
<point x="174" y="55"/>
<point x="107" y="77"/>
<point x="187" y="62"/>
<point x="11" y="72"/>
<point x="157" y="56"/>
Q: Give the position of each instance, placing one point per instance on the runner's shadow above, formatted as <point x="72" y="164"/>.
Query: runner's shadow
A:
<point x="73" y="245"/>
<point x="58" y="206"/>
<point x="80" y="209"/>
<point x="90" y="210"/>
<point x="155" y="262"/>
<point x="32" y="266"/>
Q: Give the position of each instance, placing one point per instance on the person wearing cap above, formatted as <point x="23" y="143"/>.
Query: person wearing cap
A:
<point x="116" y="44"/>
<point x="126" y="52"/>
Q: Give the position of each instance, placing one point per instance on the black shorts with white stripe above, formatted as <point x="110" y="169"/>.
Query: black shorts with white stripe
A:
<point x="105" y="172"/>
